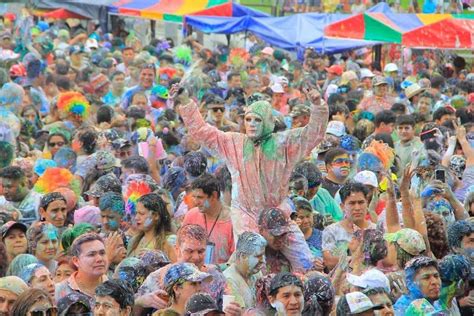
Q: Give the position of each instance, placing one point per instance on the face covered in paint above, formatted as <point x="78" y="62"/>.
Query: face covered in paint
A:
<point x="289" y="300"/>
<point x="145" y="219"/>
<point x="110" y="220"/>
<point x="258" y="120"/>
<point x="340" y="167"/>
<point x="386" y="306"/>
<point x="47" y="246"/>
<point x="443" y="208"/>
<point x="204" y="201"/>
<point x="252" y="263"/>
<point x="63" y="272"/>
<point x="429" y="282"/>
<point x="14" y="190"/>
<point x="43" y="280"/>
<point x="191" y="250"/>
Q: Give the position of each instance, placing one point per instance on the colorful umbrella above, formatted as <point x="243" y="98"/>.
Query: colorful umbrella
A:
<point x="171" y="10"/>
<point x="62" y="14"/>
<point x="385" y="27"/>
<point x="448" y="34"/>
<point x="389" y="27"/>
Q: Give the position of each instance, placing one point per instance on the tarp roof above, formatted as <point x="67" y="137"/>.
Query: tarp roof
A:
<point x="447" y="34"/>
<point x="291" y="32"/>
<point x="171" y="10"/>
<point x="93" y="9"/>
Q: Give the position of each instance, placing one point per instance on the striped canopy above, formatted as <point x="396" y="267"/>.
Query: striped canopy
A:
<point x="171" y="10"/>
<point x="445" y="34"/>
<point x="385" y="27"/>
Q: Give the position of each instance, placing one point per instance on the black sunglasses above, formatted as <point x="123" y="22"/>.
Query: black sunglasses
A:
<point x="215" y="110"/>
<point x="52" y="311"/>
<point x="59" y="144"/>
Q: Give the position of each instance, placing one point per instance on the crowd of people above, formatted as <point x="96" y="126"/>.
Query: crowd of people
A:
<point x="174" y="179"/>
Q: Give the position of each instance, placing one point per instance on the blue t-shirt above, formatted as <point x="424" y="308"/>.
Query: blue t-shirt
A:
<point x="315" y="243"/>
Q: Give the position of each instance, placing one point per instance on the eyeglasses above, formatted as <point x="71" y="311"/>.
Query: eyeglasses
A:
<point x="342" y="161"/>
<point x="52" y="311"/>
<point x="215" y="110"/>
<point x="59" y="144"/>
<point x="148" y="66"/>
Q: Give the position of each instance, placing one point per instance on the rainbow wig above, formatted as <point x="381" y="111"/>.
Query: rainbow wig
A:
<point x="238" y="57"/>
<point x="383" y="152"/>
<point x="73" y="103"/>
<point x="55" y="178"/>
<point x="183" y="55"/>
<point x="135" y="190"/>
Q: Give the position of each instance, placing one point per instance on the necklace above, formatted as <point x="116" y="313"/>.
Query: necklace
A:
<point x="213" y="225"/>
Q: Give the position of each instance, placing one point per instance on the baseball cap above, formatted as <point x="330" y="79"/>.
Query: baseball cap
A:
<point x="413" y="90"/>
<point x="5" y="35"/>
<point x="378" y="80"/>
<point x="409" y="240"/>
<point x="390" y="67"/>
<point x="275" y="221"/>
<point x="106" y="183"/>
<point x="268" y="51"/>
<point x="277" y="88"/>
<point x="183" y="271"/>
<point x="335" y="69"/>
<point x="358" y="302"/>
<point x="200" y="304"/>
<point x="120" y="143"/>
<point x="336" y="128"/>
<point x="366" y="73"/>
<point x="13" y="284"/>
<point x="282" y="80"/>
<point x="300" y="109"/>
<point x="91" y="43"/>
<point x="372" y="278"/>
<point x="347" y="76"/>
<point x="104" y="160"/>
<point x="367" y="177"/>
<point x="12" y="225"/>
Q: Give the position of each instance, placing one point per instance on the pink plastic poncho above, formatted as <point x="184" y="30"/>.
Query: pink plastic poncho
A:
<point x="260" y="172"/>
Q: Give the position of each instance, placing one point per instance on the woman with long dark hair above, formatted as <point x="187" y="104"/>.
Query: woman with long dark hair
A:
<point x="154" y="225"/>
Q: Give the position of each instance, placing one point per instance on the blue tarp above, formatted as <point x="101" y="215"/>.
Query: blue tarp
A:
<point x="291" y="32"/>
<point x="239" y="10"/>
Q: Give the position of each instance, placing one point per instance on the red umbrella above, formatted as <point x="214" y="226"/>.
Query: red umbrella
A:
<point x="449" y="33"/>
<point x="62" y="14"/>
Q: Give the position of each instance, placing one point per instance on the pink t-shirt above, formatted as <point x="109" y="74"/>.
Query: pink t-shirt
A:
<point x="222" y="235"/>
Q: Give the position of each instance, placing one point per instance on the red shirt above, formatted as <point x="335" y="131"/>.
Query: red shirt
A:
<point x="222" y="234"/>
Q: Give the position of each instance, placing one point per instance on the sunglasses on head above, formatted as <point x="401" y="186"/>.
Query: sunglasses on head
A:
<point x="215" y="110"/>
<point x="52" y="311"/>
<point x="59" y="144"/>
<point x="148" y="66"/>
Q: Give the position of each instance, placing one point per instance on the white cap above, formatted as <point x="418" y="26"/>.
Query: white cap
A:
<point x="336" y="128"/>
<point x="390" y="67"/>
<point x="268" y="50"/>
<point x="282" y="80"/>
<point x="366" y="73"/>
<point x="367" y="177"/>
<point x="91" y="43"/>
<point x="358" y="302"/>
<point x="370" y="279"/>
<point x="277" y="88"/>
